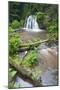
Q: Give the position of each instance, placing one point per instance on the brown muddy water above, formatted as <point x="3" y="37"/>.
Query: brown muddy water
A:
<point x="30" y="36"/>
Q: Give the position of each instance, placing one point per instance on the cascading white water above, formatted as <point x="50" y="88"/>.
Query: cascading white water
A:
<point x="31" y="24"/>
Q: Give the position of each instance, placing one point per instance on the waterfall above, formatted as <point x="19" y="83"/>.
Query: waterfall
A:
<point x="31" y="24"/>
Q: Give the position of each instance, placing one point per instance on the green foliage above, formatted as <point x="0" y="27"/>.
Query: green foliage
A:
<point x="14" y="43"/>
<point x="21" y="23"/>
<point x="10" y="29"/>
<point x="48" y="22"/>
<point x="52" y="28"/>
<point x="12" y="73"/>
<point x="30" y="59"/>
<point x="19" y="10"/>
<point x="15" y="24"/>
<point x="40" y="16"/>
<point x="40" y="19"/>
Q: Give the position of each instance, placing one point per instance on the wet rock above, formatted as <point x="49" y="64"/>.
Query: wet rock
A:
<point x="49" y="57"/>
<point x="49" y="78"/>
<point x="42" y="46"/>
<point x="23" y="83"/>
<point x="53" y="51"/>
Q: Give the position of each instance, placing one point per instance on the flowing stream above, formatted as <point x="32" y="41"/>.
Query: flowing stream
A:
<point x="48" y="55"/>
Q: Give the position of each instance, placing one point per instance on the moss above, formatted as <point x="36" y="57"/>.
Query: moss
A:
<point x="15" y="59"/>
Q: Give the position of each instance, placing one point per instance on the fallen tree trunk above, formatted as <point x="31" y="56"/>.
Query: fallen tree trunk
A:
<point x="33" y="43"/>
<point x="25" y="73"/>
<point x="28" y="46"/>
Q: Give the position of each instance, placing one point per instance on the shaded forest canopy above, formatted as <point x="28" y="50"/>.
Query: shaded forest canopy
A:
<point x="20" y="10"/>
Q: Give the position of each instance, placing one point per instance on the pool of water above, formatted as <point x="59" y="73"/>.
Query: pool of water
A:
<point x="30" y="36"/>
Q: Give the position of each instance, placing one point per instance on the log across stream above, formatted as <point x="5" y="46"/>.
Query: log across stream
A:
<point x="46" y="71"/>
<point x="48" y="66"/>
<point x="25" y="73"/>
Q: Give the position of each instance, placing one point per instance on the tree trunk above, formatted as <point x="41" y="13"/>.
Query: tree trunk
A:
<point x="25" y="73"/>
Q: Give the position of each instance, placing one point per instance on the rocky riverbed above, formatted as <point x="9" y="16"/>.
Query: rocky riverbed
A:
<point x="45" y="73"/>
